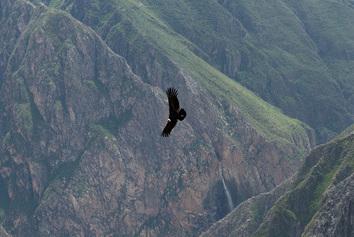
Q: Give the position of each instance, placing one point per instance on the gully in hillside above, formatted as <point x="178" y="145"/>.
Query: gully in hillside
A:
<point x="176" y="112"/>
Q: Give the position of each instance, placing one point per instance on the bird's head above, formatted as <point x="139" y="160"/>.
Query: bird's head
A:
<point x="182" y="114"/>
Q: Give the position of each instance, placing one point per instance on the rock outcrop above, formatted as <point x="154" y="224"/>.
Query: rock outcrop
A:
<point x="335" y="217"/>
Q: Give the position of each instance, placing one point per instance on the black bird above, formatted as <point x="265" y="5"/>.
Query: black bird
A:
<point x="176" y="112"/>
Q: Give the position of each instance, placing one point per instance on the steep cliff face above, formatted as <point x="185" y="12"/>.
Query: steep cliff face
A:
<point x="247" y="217"/>
<point x="317" y="202"/>
<point x="80" y="149"/>
<point x="15" y="22"/>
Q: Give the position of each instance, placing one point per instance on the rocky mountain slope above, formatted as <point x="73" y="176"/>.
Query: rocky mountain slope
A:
<point x="82" y="107"/>
<point x="291" y="53"/>
<point x="317" y="202"/>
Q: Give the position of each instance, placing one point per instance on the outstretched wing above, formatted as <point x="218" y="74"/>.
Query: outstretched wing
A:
<point x="168" y="128"/>
<point x="172" y="100"/>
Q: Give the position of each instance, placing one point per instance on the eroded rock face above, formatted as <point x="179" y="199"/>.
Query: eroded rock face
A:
<point x="16" y="21"/>
<point x="318" y="201"/>
<point x="81" y="152"/>
<point x="336" y="215"/>
<point x="246" y="218"/>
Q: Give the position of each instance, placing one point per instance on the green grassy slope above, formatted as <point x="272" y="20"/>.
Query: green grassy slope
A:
<point x="327" y="165"/>
<point x="267" y="119"/>
<point x="291" y="53"/>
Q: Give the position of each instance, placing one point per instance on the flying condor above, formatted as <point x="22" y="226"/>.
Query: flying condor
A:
<point x="176" y="112"/>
